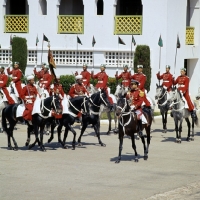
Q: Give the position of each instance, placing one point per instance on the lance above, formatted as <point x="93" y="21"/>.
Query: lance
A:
<point x="178" y="45"/>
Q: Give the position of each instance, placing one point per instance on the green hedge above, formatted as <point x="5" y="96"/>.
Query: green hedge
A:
<point x="142" y="57"/>
<point x="19" y="52"/>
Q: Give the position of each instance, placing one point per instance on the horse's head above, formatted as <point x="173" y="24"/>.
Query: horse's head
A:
<point x="160" y="91"/>
<point x="56" y="104"/>
<point x="122" y="106"/>
<point x="118" y="90"/>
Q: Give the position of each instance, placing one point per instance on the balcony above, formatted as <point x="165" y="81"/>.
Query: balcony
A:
<point x="128" y="24"/>
<point x="71" y="24"/>
<point x="16" y="23"/>
<point x="189" y="40"/>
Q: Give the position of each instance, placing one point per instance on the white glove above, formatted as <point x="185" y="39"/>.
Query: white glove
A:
<point x="130" y="69"/>
<point x="9" y="65"/>
<point x="116" y="70"/>
<point x="35" y="66"/>
<point x="52" y="86"/>
<point x="132" y="107"/>
<point x="29" y="101"/>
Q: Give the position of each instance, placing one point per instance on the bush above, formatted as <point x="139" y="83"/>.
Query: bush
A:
<point x="142" y="57"/>
<point x="19" y="52"/>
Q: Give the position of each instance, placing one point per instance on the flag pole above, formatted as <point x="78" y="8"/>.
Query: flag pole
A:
<point x="76" y="51"/>
<point x="117" y="62"/>
<point x="175" y="61"/>
<point x="36" y="51"/>
<point x="131" y="53"/>
<point x="42" y="47"/>
<point x="159" y="63"/>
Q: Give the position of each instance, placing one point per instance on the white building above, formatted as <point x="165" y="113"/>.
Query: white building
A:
<point x="62" y="20"/>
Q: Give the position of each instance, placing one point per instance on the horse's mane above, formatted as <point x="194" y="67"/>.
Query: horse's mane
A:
<point x="76" y="99"/>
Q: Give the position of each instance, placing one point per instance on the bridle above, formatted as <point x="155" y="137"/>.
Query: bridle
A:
<point x="174" y="103"/>
<point x="159" y="98"/>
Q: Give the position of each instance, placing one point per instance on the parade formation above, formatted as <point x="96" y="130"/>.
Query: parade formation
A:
<point x="42" y="102"/>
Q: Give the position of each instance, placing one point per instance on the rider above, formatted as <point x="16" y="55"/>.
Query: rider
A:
<point x="141" y="78"/>
<point x="16" y="77"/>
<point x="46" y="79"/>
<point x="29" y="94"/>
<point x="56" y="87"/>
<point x="3" y="82"/>
<point x="102" y="81"/>
<point x="86" y="76"/>
<point x="125" y="75"/>
<point x="39" y="74"/>
<point x="78" y="88"/>
<point x="137" y="97"/>
<point x="183" y="87"/>
<point x="167" y="78"/>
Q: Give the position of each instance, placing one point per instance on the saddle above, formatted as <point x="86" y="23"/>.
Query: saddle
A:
<point x="147" y="113"/>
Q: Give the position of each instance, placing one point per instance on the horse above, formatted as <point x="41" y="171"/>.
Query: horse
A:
<point x="2" y="106"/>
<point x="9" y="113"/>
<point x="104" y="108"/>
<point x="179" y="112"/>
<point x="128" y="125"/>
<point x="75" y="106"/>
<point x="95" y="100"/>
<point x="163" y="105"/>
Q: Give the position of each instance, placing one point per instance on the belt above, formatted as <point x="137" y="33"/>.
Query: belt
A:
<point x="181" y="85"/>
<point x="84" y="79"/>
<point x="30" y="96"/>
<point x="100" y="81"/>
<point x="1" y="81"/>
<point x="125" y="81"/>
<point x="165" y="81"/>
<point x="44" y="81"/>
<point x="14" y="77"/>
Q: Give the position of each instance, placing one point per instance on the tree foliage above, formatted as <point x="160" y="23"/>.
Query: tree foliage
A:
<point x="142" y="57"/>
<point x="19" y="52"/>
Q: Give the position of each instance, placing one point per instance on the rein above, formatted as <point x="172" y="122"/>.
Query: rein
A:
<point x="84" y="104"/>
<point x="178" y="102"/>
<point x="159" y="98"/>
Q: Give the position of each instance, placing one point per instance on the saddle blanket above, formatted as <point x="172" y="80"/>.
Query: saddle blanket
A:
<point x="20" y="110"/>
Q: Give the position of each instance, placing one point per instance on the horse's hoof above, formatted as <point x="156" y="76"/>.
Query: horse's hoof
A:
<point x="30" y="147"/>
<point x="65" y="147"/>
<point x="73" y="147"/>
<point x="108" y="133"/>
<point x="192" y="139"/>
<point x="117" y="161"/>
<point x="103" y="145"/>
<point x="47" y="133"/>
<point x="136" y="160"/>
<point x="116" y="131"/>
<point x="79" y="144"/>
<point x="188" y="139"/>
<point x="15" y="148"/>
<point x="145" y="157"/>
<point x="43" y="148"/>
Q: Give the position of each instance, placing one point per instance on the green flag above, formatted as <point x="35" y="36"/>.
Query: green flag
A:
<point x="78" y="40"/>
<point x="45" y="38"/>
<point x="133" y="40"/>
<point x="93" y="42"/>
<point x="178" y="44"/>
<point x="120" y="41"/>
<point x="37" y="40"/>
<point x="160" y="42"/>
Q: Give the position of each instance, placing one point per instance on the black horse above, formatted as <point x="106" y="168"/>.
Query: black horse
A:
<point x="38" y="121"/>
<point x="163" y="104"/>
<point x="128" y="125"/>
<point x="76" y="105"/>
<point x="95" y="100"/>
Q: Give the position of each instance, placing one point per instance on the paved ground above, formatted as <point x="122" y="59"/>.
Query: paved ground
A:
<point x="171" y="172"/>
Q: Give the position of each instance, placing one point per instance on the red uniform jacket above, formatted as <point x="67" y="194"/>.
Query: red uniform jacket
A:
<point x="46" y="80"/>
<point x="167" y="80"/>
<point x="102" y="80"/>
<point x="29" y="92"/>
<point x="183" y="83"/>
<point x="136" y="97"/>
<point x="3" y="80"/>
<point x="126" y="77"/>
<point x="86" y="78"/>
<point x="16" y="75"/>
<point x="77" y="90"/>
<point x="59" y="88"/>
<point x="39" y="74"/>
<point x="141" y="78"/>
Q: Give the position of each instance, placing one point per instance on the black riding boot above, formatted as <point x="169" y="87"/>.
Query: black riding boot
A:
<point x="193" y="114"/>
<point x="140" y="128"/>
<point x="171" y="114"/>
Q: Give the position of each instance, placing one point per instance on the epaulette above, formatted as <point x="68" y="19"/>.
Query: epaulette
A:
<point x="128" y="93"/>
<point x="141" y="93"/>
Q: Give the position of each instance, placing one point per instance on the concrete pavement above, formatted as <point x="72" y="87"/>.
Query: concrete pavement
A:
<point x="90" y="172"/>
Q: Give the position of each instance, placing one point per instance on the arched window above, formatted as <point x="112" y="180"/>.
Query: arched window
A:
<point x="129" y="7"/>
<point x="19" y="7"/>
<point x="42" y="7"/>
<point x="68" y="7"/>
<point x="99" y="7"/>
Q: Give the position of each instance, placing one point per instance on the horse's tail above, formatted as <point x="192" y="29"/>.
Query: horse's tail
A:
<point x="196" y="121"/>
<point x="3" y="121"/>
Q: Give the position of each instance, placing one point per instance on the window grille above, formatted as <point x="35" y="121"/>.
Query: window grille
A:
<point x="124" y="58"/>
<point x="32" y="57"/>
<point x="73" y="57"/>
<point x="5" y="56"/>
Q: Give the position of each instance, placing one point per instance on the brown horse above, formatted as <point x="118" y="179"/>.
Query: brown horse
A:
<point x="128" y="125"/>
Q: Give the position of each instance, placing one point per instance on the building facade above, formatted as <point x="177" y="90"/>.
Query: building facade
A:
<point x="61" y="21"/>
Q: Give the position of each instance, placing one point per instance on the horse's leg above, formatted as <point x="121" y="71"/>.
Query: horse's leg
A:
<point x="59" y="129"/>
<point x="134" y="147"/>
<point x="189" y="127"/>
<point x="41" y="137"/>
<point x="110" y="121"/>
<point x="53" y="125"/>
<point x="82" y="131"/>
<point x="36" y="137"/>
<point x="180" y="129"/>
<point x="165" y="122"/>
<point x="192" y="135"/>
<point x="96" y="128"/>
<point x="120" y="149"/>
<point x="47" y="126"/>
<point x="11" y="128"/>
<point x="148" y="131"/>
<point x="65" y="136"/>
<point x="28" y="135"/>
<point x="74" y="138"/>
<point x="8" y="137"/>
<point x="176" y="129"/>
<point x="115" y="119"/>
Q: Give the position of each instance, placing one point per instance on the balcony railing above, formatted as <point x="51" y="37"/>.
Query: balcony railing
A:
<point x="16" y="23"/>
<point x="71" y="24"/>
<point x="128" y="24"/>
<point x="189" y="40"/>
